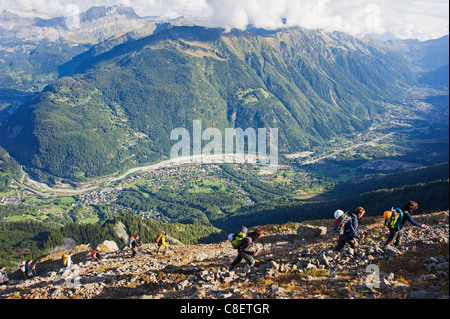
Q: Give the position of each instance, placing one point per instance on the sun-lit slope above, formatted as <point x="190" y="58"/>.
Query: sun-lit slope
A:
<point x="295" y="261"/>
<point x="120" y="107"/>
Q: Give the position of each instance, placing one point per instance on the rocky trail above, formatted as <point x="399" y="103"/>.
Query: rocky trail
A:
<point x="295" y="261"/>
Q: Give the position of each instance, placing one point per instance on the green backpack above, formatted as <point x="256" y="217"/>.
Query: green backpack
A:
<point x="236" y="239"/>
<point x="396" y="220"/>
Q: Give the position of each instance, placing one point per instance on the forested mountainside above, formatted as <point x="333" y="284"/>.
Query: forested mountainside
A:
<point x="119" y="108"/>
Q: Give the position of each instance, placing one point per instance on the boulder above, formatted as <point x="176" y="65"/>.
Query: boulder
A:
<point x="207" y="276"/>
<point x="109" y="246"/>
<point x="311" y="266"/>
<point x="392" y="250"/>
<point x="274" y="265"/>
<point x="442" y="266"/>
<point x="324" y="260"/>
<point x="309" y="231"/>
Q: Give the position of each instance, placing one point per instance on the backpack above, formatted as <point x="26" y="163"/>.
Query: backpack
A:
<point x="64" y="259"/>
<point x="340" y="222"/>
<point x="158" y="237"/>
<point x="396" y="220"/>
<point x="236" y="239"/>
<point x="130" y="241"/>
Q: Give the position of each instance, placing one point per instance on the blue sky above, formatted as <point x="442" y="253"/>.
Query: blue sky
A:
<point x="405" y="19"/>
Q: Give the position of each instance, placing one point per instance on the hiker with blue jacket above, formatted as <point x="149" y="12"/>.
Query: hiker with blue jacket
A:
<point x="3" y="276"/>
<point x="245" y="250"/>
<point x="396" y="228"/>
<point x="349" y="234"/>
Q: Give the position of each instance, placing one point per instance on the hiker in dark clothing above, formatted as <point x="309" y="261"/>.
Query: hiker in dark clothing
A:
<point x="350" y="234"/>
<point x="22" y="267"/>
<point x="245" y="249"/>
<point x="29" y="269"/>
<point x="134" y="245"/>
<point x="395" y="231"/>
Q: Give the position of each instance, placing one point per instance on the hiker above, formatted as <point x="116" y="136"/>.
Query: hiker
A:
<point x="22" y="267"/>
<point x="67" y="259"/>
<point x="134" y="245"/>
<point x="3" y="276"/>
<point x="245" y="249"/>
<point x="162" y="242"/>
<point x="96" y="254"/>
<point x="64" y="259"/>
<point x="30" y="269"/>
<point x="395" y="226"/>
<point x="130" y="241"/>
<point x="349" y="234"/>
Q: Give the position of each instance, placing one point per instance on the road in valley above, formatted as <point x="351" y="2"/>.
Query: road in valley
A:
<point x="372" y="142"/>
<point x="45" y="190"/>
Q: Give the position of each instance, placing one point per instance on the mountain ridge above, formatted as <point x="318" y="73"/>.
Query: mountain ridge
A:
<point x="312" y="95"/>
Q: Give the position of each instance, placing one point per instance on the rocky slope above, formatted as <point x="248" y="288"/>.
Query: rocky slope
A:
<point x="296" y="261"/>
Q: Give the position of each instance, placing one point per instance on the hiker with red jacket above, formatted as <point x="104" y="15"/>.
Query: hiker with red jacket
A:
<point x="395" y="228"/>
<point x="245" y="249"/>
<point x="350" y="233"/>
<point x="96" y="254"/>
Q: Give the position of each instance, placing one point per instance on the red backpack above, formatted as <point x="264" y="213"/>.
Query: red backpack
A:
<point x="158" y="237"/>
<point x="339" y="223"/>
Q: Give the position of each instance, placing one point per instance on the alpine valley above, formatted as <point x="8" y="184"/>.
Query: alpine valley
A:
<point x="86" y="116"/>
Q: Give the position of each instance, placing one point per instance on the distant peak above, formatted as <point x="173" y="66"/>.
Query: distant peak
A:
<point x="102" y="11"/>
<point x="30" y="14"/>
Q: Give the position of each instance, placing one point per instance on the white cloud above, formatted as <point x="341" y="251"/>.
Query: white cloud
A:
<point x="403" y="18"/>
<point x="421" y="19"/>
